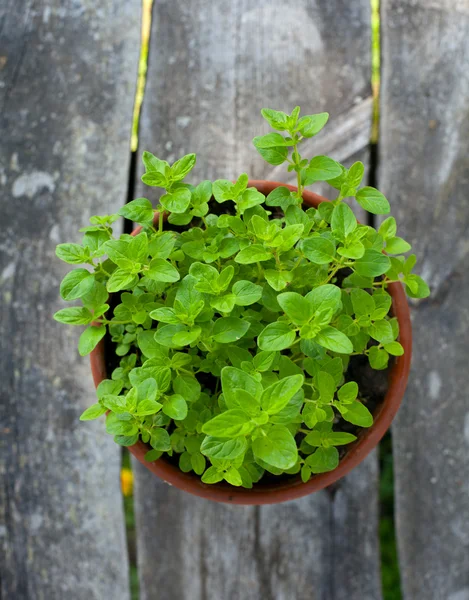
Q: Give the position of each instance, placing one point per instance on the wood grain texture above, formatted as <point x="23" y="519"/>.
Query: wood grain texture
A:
<point x="212" y="67"/>
<point x="68" y="73"/>
<point x="424" y="146"/>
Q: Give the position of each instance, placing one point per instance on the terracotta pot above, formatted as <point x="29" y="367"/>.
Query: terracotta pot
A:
<point x="292" y="487"/>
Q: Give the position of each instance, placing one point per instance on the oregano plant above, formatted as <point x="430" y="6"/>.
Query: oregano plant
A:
<point x="234" y="317"/>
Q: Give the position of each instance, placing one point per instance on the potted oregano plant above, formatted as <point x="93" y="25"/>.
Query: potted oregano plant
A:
<point x="239" y="337"/>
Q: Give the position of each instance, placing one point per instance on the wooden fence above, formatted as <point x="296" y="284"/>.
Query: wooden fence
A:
<point x="67" y="83"/>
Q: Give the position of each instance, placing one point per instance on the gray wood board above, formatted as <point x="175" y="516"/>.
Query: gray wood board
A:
<point x="212" y="67"/>
<point x="424" y="145"/>
<point x="68" y="74"/>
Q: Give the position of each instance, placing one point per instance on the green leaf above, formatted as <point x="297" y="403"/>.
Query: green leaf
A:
<point x="378" y="358"/>
<point x="93" y="412"/>
<point x="180" y="219"/>
<point x="120" y="280"/>
<point x="139" y="210"/>
<point x="126" y="440"/>
<point x="323" y="460"/>
<point x="162" y="270"/>
<point x="165" y="314"/>
<point x="202" y="193"/>
<point x="234" y="379"/>
<point x="223" y="190"/>
<point x="160" y="440"/>
<point x="90" y="338"/>
<point x="278" y="280"/>
<point x="264" y="360"/>
<point x="153" y="455"/>
<point x="233" y="477"/>
<point x="108" y="386"/>
<point x="252" y="254"/>
<point x="229" y="424"/>
<point x="222" y="449"/>
<point x="343" y="221"/>
<point x="276" y="448"/>
<point x="96" y="297"/>
<point x="362" y="302"/>
<point x="223" y="304"/>
<point x="175" y="407"/>
<point x="388" y="228"/>
<point x="276" y="336"/>
<point x="73" y="254"/>
<point x="352" y="250"/>
<point x="185" y="463"/>
<point x="372" y="264"/>
<point x="274" y="156"/>
<point x="229" y="329"/>
<point x="119" y="252"/>
<point x="76" y="315"/>
<point x="276" y="118"/>
<point x="271" y="140"/>
<point x="76" y="284"/>
<point x="381" y="331"/>
<point x="329" y="438"/>
<point x="321" y="168"/>
<point x="138" y="248"/>
<point x="116" y="426"/>
<point x="394" y="348"/>
<point x="250" y="198"/>
<point x="246" y="292"/>
<point x="311" y="125"/>
<point x="296" y="307"/>
<point x="279" y="394"/>
<point x="416" y="287"/>
<point x="147" y="390"/>
<point x="187" y="337"/>
<point x="148" y="407"/>
<point x="281" y="196"/>
<point x="348" y="392"/>
<point x="182" y="167"/>
<point x="152" y="163"/>
<point x="207" y="277"/>
<point x="334" y="340"/>
<point x="187" y="386"/>
<point x="115" y="403"/>
<point x="373" y="201"/>
<point x="149" y="347"/>
<point x="212" y="475"/>
<point x="397" y="245"/>
<point x="177" y="201"/>
<point x="155" y="179"/>
<point x="324" y="296"/>
<point x="318" y="250"/>
<point x="198" y="463"/>
<point x="355" y="174"/>
<point x="162" y="245"/>
<point x="164" y="335"/>
<point x="326" y="386"/>
<point x="356" y="413"/>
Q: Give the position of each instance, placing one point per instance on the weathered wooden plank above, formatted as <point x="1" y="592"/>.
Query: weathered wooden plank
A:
<point x="67" y="74"/>
<point x="212" y="67"/>
<point x="424" y="146"/>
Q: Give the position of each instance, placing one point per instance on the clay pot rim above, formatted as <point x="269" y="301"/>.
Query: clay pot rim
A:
<point x="292" y="488"/>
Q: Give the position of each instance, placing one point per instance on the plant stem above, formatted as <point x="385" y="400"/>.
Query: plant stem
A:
<point x="104" y="270"/>
<point x="385" y="282"/>
<point x="160" y="221"/>
<point x="296" y="161"/>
